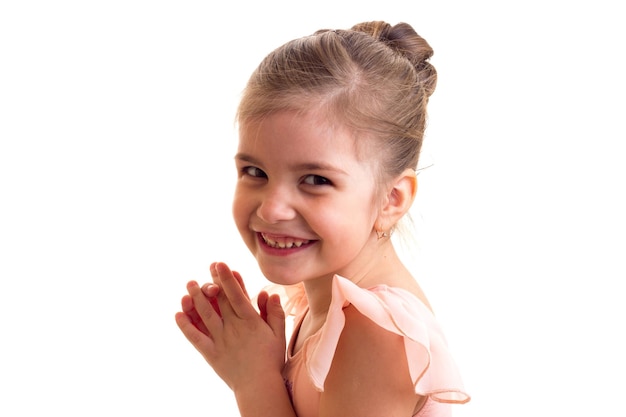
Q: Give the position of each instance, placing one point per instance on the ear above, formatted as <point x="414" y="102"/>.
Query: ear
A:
<point x="398" y="199"/>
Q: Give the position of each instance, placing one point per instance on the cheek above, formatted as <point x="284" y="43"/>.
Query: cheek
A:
<point x="350" y="222"/>
<point x="240" y="211"/>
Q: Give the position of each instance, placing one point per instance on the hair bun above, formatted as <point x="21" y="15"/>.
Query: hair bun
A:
<point x="403" y="39"/>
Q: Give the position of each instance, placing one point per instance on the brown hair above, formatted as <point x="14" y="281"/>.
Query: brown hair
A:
<point x="374" y="78"/>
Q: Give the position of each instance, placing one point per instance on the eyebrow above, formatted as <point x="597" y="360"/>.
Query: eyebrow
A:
<point x="304" y="166"/>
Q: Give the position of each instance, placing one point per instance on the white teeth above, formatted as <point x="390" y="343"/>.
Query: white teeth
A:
<point x="284" y="244"/>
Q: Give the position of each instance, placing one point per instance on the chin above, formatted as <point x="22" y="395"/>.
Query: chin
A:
<point x="281" y="276"/>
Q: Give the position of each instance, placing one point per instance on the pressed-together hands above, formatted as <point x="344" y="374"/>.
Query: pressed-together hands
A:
<point x="219" y="320"/>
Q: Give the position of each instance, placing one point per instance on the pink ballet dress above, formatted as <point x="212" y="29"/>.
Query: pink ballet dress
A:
<point x="432" y="369"/>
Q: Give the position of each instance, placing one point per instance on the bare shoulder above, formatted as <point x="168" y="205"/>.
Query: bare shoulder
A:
<point x="369" y="374"/>
<point x="367" y="337"/>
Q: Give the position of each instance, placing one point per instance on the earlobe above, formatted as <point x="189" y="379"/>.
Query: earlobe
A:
<point x="399" y="199"/>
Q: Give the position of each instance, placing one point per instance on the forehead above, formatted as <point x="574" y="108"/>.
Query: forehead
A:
<point x="297" y="134"/>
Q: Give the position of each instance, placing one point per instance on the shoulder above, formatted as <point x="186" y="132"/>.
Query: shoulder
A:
<point x="368" y="336"/>
<point x="378" y="346"/>
<point x="369" y="371"/>
<point x="366" y="349"/>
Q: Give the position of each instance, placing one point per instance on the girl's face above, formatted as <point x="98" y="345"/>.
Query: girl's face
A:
<point x="305" y="204"/>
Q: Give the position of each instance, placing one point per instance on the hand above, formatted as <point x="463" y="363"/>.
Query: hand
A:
<point x="221" y="323"/>
<point x="210" y="290"/>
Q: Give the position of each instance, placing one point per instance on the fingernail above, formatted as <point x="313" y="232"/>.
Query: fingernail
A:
<point x="210" y="289"/>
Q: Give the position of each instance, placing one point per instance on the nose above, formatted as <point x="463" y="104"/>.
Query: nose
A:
<point x="276" y="205"/>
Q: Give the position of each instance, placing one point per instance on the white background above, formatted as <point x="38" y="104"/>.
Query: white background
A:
<point x="116" y="174"/>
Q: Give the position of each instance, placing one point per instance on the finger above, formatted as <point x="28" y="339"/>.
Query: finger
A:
<point x="187" y="304"/>
<point x="237" y="299"/>
<point x="190" y="311"/>
<point x="222" y="304"/>
<point x="211" y="291"/>
<point x="261" y="301"/>
<point x="236" y="274"/>
<point x="241" y="283"/>
<point x="203" y="343"/>
<point x="202" y="305"/>
<point x="216" y="278"/>
<point x="275" y="315"/>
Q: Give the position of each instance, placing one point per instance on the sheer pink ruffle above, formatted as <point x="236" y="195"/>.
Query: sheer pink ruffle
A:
<point x="432" y="368"/>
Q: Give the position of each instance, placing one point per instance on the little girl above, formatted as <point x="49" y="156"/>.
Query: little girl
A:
<point x="330" y="130"/>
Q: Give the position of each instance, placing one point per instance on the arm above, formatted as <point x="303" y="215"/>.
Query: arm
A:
<point x="369" y="375"/>
<point x="246" y="350"/>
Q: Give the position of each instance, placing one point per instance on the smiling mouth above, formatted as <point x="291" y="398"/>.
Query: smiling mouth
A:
<point x="284" y="242"/>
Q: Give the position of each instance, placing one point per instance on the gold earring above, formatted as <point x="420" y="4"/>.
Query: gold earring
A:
<point x="381" y="234"/>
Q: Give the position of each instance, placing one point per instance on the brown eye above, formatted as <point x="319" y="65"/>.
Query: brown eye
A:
<point x="254" y="172"/>
<point x="316" y="180"/>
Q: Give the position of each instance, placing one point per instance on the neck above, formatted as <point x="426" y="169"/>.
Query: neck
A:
<point x="318" y="294"/>
<point x="382" y="266"/>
